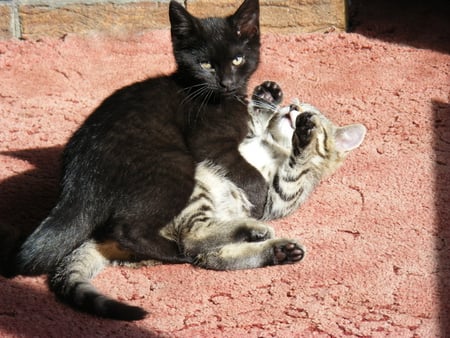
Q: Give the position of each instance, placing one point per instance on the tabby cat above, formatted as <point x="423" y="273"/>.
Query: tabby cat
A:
<point x="292" y="150"/>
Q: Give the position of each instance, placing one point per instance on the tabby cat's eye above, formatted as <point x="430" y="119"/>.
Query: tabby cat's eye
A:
<point x="206" y="66"/>
<point x="238" y="61"/>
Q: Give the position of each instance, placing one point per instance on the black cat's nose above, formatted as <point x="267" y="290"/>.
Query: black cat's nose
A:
<point x="227" y="84"/>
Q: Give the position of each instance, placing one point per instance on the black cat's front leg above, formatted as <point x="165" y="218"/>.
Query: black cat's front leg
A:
<point x="247" y="178"/>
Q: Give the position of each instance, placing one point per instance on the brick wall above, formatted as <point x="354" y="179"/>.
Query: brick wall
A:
<point x="31" y="19"/>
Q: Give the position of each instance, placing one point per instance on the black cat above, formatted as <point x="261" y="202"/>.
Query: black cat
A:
<point x="129" y="169"/>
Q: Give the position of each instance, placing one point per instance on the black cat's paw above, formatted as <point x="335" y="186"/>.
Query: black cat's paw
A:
<point x="268" y="91"/>
<point x="287" y="253"/>
<point x="304" y="128"/>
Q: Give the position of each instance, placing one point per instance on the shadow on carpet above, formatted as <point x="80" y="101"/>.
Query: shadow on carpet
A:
<point x="441" y="112"/>
<point x="26" y="199"/>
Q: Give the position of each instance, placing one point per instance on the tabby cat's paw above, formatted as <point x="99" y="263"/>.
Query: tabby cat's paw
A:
<point x="304" y="127"/>
<point x="288" y="252"/>
<point x="268" y="91"/>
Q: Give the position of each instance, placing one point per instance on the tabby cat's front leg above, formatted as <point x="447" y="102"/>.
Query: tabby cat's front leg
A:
<point x="297" y="177"/>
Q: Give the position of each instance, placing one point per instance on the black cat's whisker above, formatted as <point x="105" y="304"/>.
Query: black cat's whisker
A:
<point x="190" y="87"/>
<point x="209" y="93"/>
<point x="193" y="94"/>
<point x="240" y="99"/>
<point x="204" y="91"/>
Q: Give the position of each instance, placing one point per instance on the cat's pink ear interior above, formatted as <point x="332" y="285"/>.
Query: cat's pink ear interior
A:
<point x="246" y="19"/>
<point x="349" y="137"/>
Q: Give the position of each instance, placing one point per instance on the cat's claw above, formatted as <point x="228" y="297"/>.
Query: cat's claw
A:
<point x="268" y="91"/>
<point x="288" y="253"/>
<point x="304" y="127"/>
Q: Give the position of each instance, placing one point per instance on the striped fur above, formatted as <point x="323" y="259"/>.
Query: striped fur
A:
<point x="215" y="230"/>
<point x="306" y="164"/>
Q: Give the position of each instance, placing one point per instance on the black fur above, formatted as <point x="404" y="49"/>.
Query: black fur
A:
<point x="129" y="169"/>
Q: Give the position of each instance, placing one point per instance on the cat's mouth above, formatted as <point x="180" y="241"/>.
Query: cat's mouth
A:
<point x="289" y="115"/>
<point x="228" y="91"/>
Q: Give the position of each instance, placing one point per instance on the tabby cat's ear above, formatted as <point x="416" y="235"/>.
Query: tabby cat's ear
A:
<point x="349" y="137"/>
<point x="246" y="19"/>
<point x="181" y="22"/>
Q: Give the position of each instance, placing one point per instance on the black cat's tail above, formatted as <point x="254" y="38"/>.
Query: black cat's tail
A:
<point x="71" y="282"/>
<point x="66" y="228"/>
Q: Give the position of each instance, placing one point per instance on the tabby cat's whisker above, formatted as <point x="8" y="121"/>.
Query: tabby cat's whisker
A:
<point x="264" y="105"/>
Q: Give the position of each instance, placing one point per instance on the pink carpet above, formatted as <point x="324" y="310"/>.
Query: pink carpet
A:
<point x="377" y="232"/>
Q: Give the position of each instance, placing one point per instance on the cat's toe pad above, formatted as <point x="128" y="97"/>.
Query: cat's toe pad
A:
<point x="268" y="91"/>
<point x="290" y="252"/>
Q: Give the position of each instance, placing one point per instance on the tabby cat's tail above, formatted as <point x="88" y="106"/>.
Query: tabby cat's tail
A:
<point x="71" y="282"/>
<point x="65" y="229"/>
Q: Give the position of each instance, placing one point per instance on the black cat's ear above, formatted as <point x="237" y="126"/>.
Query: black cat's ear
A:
<point x="246" y="19"/>
<point x="181" y="22"/>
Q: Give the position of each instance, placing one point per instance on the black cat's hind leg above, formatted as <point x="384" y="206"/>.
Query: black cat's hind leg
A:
<point x="147" y="242"/>
<point x="146" y="208"/>
<point x="237" y="256"/>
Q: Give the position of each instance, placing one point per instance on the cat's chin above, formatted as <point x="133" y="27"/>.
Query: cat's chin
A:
<point x="230" y="94"/>
<point x="227" y="92"/>
<point x="284" y="131"/>
<point x="286" y="126"/>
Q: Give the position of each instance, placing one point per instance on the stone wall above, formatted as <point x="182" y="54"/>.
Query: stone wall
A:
<point x="31" y="19"/>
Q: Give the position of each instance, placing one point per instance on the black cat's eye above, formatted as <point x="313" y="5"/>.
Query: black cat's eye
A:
<point x="207" y="66"/>
<point x="238" y="60"/>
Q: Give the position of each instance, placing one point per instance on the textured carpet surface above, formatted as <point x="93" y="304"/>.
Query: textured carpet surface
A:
<point x="377" y="232"/>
